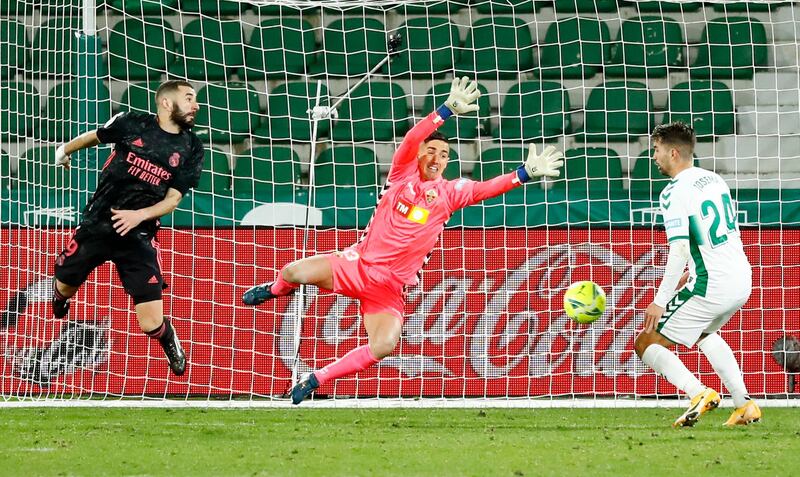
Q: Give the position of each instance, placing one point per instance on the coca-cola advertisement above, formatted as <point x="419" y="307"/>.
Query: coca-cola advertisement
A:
<point x="485" y="321"/>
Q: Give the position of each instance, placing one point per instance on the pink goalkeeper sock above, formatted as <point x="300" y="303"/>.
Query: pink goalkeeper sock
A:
<point x="353" y="362"/>
<point x="281" y="287"/>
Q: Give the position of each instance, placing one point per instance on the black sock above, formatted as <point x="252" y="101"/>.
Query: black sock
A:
<point x="163" y="333"/>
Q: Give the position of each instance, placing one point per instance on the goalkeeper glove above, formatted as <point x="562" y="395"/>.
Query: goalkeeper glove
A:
<point x="462" y="94"/>
<point x="537" y="165"/>
<point x="62" y="158"/>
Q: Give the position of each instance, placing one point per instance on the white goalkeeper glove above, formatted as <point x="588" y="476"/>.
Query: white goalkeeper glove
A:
<point x="62" y="159"/>
<point x="538" y="165"/>
<point x="462" y="94"/>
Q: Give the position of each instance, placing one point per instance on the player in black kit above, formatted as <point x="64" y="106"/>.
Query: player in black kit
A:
<point x="156" y="159"/>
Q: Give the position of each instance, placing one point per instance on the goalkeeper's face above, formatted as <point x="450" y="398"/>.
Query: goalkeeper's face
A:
<point x="432" y="157"/>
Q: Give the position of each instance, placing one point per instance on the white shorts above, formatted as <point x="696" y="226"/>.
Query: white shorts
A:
<point x="687" y="316"/>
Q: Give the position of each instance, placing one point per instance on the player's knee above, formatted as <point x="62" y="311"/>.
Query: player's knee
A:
<point x="293" y="273"/>
<point x="641" y="343"/>
<point x="383" y="346"/>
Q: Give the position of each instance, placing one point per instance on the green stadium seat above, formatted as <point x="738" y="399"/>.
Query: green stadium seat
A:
<point x="14" y="51"/>
<point x="731" y="47"/>
<point x="746" y="7"/>
<point x="432" y="8"/>
<point x="346" y="207"/>
<point x="497" y="161"/>
<point x="55" y="47"/>
<point x="228" y="112"/>
<point x="266" y="173"/>
<point x="351" y="46"/>
<point x="61" y="116"/>
<point x="453" y="170"/>
<point x="273" y="10"/>
<point x="140" y="97"/>
<point x="574" y="48"/>
<point x="211" y="49"/>
<point x="15" y="8"/>
<point x="20" y="105"/>
<point x="504" y="7"/>
<point x="145" y="7"/>
<point x="376" y="111"/>
<point x="287" y="118"/>
<point x="497" y="47"/>
<point x="647" y="47"/>
<point x="6" y="181"/>
<point x="459" y="127"/>
<point x="618" y="111"/>
<point x="705" y="105"/>
<point x="429" y="48"/>
<point x="37" y="168"/>
<point x="141" y="49"/>
<point x="664" y="7"/>
<point x="593" y="171"/>
<point x="347" y="166"/>
<point x="534" y="110"/>
<point x="279" y="47"/>
<point x="646" y="180"/>
<point x="585" y="6"/>
<point x="215" y="8"/>
<point x="216" y="175"/>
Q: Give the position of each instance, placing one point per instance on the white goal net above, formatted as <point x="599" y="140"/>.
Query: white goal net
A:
<point x="486" y="322"/>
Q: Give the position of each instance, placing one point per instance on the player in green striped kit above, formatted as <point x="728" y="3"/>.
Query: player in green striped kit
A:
<point x="702" y="229"/>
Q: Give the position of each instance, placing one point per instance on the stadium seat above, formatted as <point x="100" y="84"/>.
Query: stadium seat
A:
<point x="55" y="47"/>
<point x="140" y="97"/>
<point x="347" y="166"/>
<point x="61" y="116"/>
<point x="279" y="47"/>
<point x="665" y="7"/>
<point x="534" y="110"/>
<point x="497" y="47"/>
<point x="6" y="181"/>
<point x="211" y="49"/>
<point x="646" y="180"/>
<point x="277" y="10"/>
<point x="14" y="52"/>
<point x="705" y="105"/>
<point x="459" y="127"/>
<point x="287" y="118"/>
<point x="15" y="8"/>
<point x="574" y="48"/>
<point x="141" y="49"/>
<point x="618" y="111"/>
<point x="376" y="110"/>
<point x="20" y="105"/>
<point x="585" y="6"/>
<point x="730" y="47"/>
<point x="345" y="207"/>
<point x="215" y="8"/>
<point x="37" y="168"/>
<point x="351" y="46"/>
<point x="228" y="112"/>
<point x="746" y="7"/>
<point x="592" y="171"/>
<point x="266" y="173"/>
<point x="145" y="7"/>
<point x="647" y="47"/>
<point x="432" y="8"/>
<point x="496" y="161"/>
<point x="504" y="7"/>
<point x="216" y="175"/>
<point x="429" y="48"/>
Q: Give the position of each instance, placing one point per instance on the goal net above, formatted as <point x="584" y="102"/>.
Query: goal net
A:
<point x="486" y="321"/>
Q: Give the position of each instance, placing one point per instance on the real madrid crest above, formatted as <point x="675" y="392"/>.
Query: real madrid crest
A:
<point x="431" y="195"/>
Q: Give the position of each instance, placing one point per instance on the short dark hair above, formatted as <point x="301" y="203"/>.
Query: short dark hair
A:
<point x="170" y="86"/>
<point x="436" y="136"/>
<point x="677" y="134"/>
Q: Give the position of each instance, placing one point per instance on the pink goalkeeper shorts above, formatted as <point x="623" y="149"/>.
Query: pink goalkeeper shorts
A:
<point x="374" y="286"/>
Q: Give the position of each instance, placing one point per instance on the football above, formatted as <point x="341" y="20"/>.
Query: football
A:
<point x="584" y="301"/>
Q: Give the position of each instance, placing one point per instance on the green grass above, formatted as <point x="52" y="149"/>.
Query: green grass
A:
<point x="403" y="442"/>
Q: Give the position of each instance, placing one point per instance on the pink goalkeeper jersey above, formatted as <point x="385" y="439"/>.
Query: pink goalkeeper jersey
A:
<point x="411" y="212"/>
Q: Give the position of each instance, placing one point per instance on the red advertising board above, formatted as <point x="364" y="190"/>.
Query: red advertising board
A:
<point x="486" y="319"/>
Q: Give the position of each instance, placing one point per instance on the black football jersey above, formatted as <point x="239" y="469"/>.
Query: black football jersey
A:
<point x="146" y="162"/>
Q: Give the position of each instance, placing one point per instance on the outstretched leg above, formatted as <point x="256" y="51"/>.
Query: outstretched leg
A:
<point x="721" y="357"/>
<point x="314" y="270"/>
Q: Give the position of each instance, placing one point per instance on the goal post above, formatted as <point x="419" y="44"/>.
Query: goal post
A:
<point x="486" y="325"/>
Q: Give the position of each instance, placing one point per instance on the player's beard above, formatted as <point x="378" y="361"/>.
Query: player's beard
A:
<point x="180" y="118"/>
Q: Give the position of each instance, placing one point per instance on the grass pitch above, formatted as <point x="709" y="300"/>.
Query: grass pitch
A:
<point x="385" y="442"/>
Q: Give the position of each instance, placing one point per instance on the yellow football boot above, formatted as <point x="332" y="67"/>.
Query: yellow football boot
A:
<point x="745" y="415"/>
<point x="707" y="400"/>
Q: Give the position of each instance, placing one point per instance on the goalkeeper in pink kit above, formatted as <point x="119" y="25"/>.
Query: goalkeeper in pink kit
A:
<point x="413" y="208"/>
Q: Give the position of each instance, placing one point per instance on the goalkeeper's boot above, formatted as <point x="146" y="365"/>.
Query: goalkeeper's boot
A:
<point x="747" y="414"/>
<point x="707" y="400"/>
<point x="174" y="351"/>
<point x="304" y="388"/>
<point x="60" y="307"/>
<point x="258" y="294"/>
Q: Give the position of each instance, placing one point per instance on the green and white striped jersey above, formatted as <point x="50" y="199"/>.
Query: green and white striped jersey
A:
<point x="697" y="206"/>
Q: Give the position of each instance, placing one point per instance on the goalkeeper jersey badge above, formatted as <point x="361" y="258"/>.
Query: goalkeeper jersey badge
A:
<point x="431" y="195"/>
